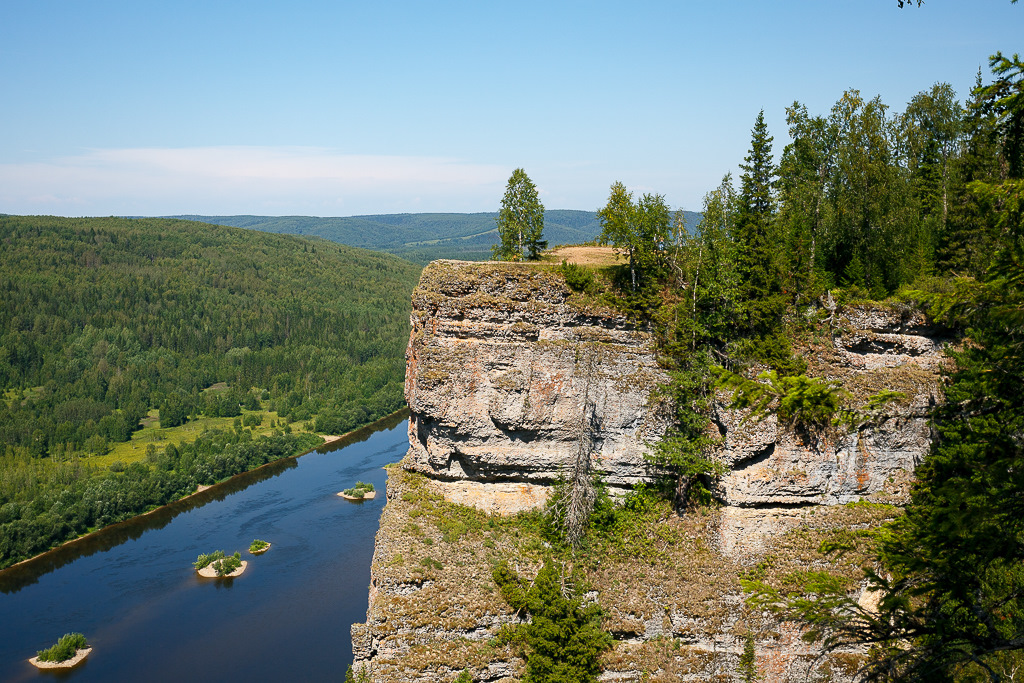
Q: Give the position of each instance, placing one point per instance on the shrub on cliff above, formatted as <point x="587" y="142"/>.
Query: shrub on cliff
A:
<point x="564" y="639"/>
<point x="578" y="278"/>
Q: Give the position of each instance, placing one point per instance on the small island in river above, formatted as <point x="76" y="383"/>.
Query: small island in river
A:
<point x="70" y="651"/>
<point x="361" y="491"/>
<point x="258" y="546"/>
<point x="216" y="565"/>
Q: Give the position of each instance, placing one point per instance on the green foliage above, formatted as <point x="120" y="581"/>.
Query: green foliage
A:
<point x="103" y="319"/>
<point x="760" y="305"/>
<point x="45" y="503"/>
<point x="206" y="559"/>
<point x="64" y="649"/>
<point x="579" y="278"/>
<point x="359" y="490"/>
<point x="362" y="677"/>
<point x="226" y="565"/>
<point x="800" y="401"/>
<point x="257" y="545"/>
<point x="640" y="230"/>
<point x="520" y="221"/>
<point x="1003" y="99"/>
<point x="748" y="660"/>
<point x="951" y="569"/>
<point x="463" y="677"/>
<point x="564" y="640"/>
<point x="431" y="563"/>
<point x="773" y="350"/>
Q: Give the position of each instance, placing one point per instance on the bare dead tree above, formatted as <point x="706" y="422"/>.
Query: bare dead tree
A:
<point x="580" y="497"/>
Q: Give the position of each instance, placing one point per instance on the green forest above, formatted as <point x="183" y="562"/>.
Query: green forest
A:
<point x="106" y="320"/>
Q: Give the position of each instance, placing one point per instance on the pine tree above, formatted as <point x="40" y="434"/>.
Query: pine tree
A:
<point x="520" y="221"/>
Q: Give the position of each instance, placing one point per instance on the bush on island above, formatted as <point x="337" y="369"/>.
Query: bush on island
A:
<point x="227" y="565"/>
<point x="257" y="546"/>
<point x="359" y="490"/>
<point x="204" y="560"/>
<point x="65" y="649"/>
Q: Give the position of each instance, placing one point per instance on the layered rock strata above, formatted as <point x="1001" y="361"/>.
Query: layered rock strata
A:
<point x="512" y="379"/>
<point x="509" y="375"/>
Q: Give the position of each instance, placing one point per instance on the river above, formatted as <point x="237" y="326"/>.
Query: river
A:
<point x="133" y="593"/>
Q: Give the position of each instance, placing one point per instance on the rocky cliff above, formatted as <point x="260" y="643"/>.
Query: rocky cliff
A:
<point x="507" y="372"/>
<point x="512" y="379"/>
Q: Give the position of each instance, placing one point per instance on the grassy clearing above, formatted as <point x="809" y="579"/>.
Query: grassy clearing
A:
<point x="591" y="256"/>
<point x="152" y="434"/>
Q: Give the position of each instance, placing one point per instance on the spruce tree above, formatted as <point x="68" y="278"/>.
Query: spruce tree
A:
<point x="760" y="289"/>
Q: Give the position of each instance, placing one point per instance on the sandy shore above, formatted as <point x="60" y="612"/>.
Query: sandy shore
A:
<point x="79" y="657"/>
<point x="369" y="495"/>
<point x="211" y="573"/>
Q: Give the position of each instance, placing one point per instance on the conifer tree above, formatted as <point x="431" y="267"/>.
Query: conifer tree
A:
<point x="520" y="221"/>
<point x="760" y="287"/>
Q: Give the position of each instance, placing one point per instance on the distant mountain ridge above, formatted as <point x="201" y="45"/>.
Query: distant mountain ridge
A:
<point x="422" y="237"/>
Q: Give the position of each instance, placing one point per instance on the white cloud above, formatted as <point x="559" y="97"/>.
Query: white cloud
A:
<point x="254" y="180"/>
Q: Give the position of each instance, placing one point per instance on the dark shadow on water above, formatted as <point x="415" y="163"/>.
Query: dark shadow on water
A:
<point x="364" y="433"/>
<point x="13" y="579"/>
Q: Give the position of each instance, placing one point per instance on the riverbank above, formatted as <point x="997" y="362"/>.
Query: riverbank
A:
<point x="202" y="495"/>
<point x="137" y="597"/>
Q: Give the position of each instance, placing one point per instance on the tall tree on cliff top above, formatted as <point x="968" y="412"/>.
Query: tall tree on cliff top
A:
<point x="640" y="229"/>
<point x="805" y="174"/>
<point x="520" y="221"/>
<point x="760" y="288"/>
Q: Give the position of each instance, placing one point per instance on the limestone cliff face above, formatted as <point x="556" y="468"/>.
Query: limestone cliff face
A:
<point x="510" y="378"/>
<point x="775" y="469"/>
<point x="507" y="372"/>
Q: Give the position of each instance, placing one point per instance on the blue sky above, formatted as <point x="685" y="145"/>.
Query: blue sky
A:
<point x="342" y="108"/>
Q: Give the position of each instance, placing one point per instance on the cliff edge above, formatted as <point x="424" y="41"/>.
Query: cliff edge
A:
<point x="511" y="376"/>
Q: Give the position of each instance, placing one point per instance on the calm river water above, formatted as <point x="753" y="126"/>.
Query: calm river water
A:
<point x="133" y="593"/>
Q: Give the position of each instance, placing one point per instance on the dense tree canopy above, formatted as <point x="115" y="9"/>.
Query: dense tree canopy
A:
<point x="103" y="319"/>
<point x="925" y="206"/>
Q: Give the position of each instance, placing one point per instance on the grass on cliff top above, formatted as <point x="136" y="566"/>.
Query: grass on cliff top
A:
<point x="584" y="255"/>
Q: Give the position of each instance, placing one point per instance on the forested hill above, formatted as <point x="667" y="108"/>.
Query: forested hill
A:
<point x="423" y="237"/>
<point x="104" y="319"/>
